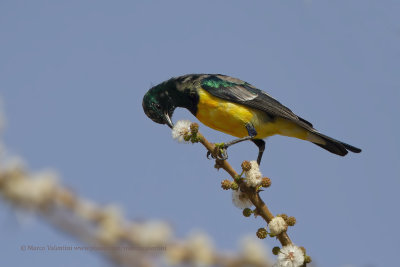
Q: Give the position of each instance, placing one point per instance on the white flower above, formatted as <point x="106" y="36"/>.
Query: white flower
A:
<point x="181" y="128"/>
<point x="290" y="256"/>
<point x="201" y="249"/>
<point x="152" y="233"/>
<point x="109" y="227"/>
<point x="32" y="191"/>
<point x="253" y="176"/>
<point x="277" y="225"/>
<point x="240" y="199"/>
<point x="254" y="251"/>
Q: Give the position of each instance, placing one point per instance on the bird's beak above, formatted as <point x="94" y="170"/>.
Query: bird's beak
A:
<point x="168" y="121"/>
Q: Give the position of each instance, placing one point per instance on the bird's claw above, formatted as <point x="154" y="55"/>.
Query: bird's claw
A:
<point x="223" y="154"/>
<point x="220" y="152"/>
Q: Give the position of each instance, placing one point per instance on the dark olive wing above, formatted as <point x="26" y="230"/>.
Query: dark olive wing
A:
<point x="240" y="92"/>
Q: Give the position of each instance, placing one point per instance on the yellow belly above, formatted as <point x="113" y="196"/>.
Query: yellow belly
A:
<point x="231" y="118"/>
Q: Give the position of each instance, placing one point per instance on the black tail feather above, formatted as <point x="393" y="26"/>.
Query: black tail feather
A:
<point x="351" y="148"/>
<point x="335" y="146"/>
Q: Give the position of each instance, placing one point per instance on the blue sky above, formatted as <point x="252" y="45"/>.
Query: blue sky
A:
<point x="72" y="78"/>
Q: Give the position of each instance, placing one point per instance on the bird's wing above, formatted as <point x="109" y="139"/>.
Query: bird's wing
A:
<point x="241" y="92"/>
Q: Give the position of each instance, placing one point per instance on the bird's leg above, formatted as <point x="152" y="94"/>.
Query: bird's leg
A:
<point x="261" y="147"/>
<point x="222" y="154"/>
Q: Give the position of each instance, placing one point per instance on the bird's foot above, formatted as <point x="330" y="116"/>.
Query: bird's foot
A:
<point x="220" y="152"/>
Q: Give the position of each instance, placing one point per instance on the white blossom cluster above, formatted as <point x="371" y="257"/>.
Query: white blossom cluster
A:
<point x="198" y="247"/>
<point x="199" y="250"/>
<point x="290" y="256"/>
<point x="253" y="251"/>
<point x="253" y="176"/>
<point x="151" y="233"/>
<point x="277" y="225"/>
<point x="240" y="199"/>
<point x="180" y="129"/>
<point x="36" y="190"/>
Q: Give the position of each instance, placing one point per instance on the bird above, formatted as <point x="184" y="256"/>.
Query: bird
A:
<point x="234" y="107"/>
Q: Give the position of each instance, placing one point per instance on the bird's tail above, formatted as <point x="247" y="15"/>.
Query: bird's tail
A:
<point x="332" y="145"/>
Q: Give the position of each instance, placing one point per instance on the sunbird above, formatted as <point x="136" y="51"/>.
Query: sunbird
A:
<point x="234" y="107"/>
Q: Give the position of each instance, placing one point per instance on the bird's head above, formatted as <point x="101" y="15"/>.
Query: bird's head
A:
<point x="158" y="105"/>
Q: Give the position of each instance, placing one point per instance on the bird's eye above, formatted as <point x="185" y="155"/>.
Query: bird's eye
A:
<point x="157" y="106"/>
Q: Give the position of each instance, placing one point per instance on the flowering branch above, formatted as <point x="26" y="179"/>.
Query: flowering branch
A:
<point x="250" y="187"/>
<point x="251" y="192"/>
<point x="103" y="228"/>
